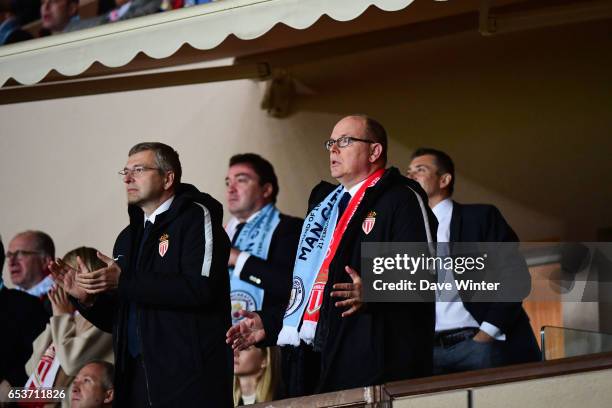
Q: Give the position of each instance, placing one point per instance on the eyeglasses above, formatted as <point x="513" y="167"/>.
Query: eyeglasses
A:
<point x="344" y="141"/>
<point x="136" y="171"/>
<point x="20" y="254"/>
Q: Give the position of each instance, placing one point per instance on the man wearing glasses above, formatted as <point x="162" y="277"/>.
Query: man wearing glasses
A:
<point x="165" y="292"/>
<point x="28" y="256"/>
<point x="22" y="318"/>
<point x="358" y="344"/>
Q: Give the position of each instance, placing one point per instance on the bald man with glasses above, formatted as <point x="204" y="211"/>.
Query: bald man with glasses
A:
<point x="22" y="319"/>
<point x="357" y="345"/>
<point x="27" y="258"/>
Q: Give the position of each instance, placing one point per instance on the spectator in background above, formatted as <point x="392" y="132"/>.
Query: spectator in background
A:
<point x="14" y="14"/>
<point x="256" y="375"/>
<point x="93" y="386"/>
<point x="27" y="10"/>
<point x="22" y="318"/>
<point x="264" y="241"/>
<point x="123" y="10"/>
<point x="472" y="335"/>
<point x="56" y="14"/>
<point x="69" y="340"/>
<point x="177" y="4"/>
<point x="28" y="256"/>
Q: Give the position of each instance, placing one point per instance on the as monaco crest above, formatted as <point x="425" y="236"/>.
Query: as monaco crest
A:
<point x="316" y="298"/>
<point x="163" y="244"/>
<point x="368" y="222"/>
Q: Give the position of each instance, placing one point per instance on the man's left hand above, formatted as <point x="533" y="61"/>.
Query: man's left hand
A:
<point x="101" y="280"/>
<point x="352" y="292"/>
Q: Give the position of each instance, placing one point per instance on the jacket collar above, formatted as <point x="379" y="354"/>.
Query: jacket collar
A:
<point x="185" y="194"/>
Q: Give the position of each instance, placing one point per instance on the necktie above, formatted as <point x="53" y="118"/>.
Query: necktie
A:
<point x="133" y="345"/>
<point x="344" y="200"/>
<point x="145" y="235"/>
<point x="239" y="228"/>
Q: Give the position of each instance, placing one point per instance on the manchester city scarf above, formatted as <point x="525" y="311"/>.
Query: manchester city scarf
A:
<point x="318" y="244"/>
<point x="254" y="238"/>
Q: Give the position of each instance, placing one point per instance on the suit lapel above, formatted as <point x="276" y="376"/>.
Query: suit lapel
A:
<point x="455" y="224"/>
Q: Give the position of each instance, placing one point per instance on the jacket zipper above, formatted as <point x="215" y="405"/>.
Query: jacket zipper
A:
<point x="144" y="366"/>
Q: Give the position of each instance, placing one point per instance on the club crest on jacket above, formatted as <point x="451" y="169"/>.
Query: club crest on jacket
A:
<point x="368" y="222"/>
<point x="163" y="244"/>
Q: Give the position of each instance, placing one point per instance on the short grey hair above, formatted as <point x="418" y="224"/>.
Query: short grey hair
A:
<point x="375" y="131"/>
<point x="166" y="158"/>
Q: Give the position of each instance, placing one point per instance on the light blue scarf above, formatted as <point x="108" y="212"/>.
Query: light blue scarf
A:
<point x="254" y="238"/>
<point x="315" y="239"/>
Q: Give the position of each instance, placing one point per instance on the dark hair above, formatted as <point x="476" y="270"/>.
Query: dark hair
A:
<point x="42" y="242"/>
<point x="166" y="158"/>
<point x="25" y="11"/>
<point x="376" y="132"/>
<point x="108" y="373"/>
<point x="261" y="167"/>
<point x="443" y="162"/>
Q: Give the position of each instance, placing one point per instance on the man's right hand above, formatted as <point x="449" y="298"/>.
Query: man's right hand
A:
<point x="247" y="332"/>
<point x="64" y="276"/>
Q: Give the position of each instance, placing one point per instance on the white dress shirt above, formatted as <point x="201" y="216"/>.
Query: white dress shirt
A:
<point x="162" y="208"/>
<point x="41" y="288"/>
<point x="353" y="190"/>
<point x="453" y="315"/>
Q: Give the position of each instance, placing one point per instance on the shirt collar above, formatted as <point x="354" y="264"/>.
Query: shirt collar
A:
<point x="443" y="209"/>
<point x="162" y="208"/>
<point x="41" y="288"/>
<point x="252" y="217"/>
<point x="232" y="224"/>
<point x="353" y="190"/>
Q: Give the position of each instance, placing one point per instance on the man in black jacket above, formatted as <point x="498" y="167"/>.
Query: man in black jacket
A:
<point x="165" y="292"/>
<point x="472" y="335"/>
<point x="263" y="240"/>
<point x="358" y="344"/>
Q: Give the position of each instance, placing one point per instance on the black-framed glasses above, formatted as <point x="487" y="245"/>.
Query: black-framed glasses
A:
<point x="21" y="253"/>
<point x="136" y="171"/>
<point x="344" y="141"/>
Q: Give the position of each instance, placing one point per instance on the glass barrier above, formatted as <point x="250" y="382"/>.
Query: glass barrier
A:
<point x="561" y="342"/>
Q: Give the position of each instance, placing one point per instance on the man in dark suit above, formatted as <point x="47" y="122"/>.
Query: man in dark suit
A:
<point x="264" y="241"/>
<point x="472" y="335"/>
